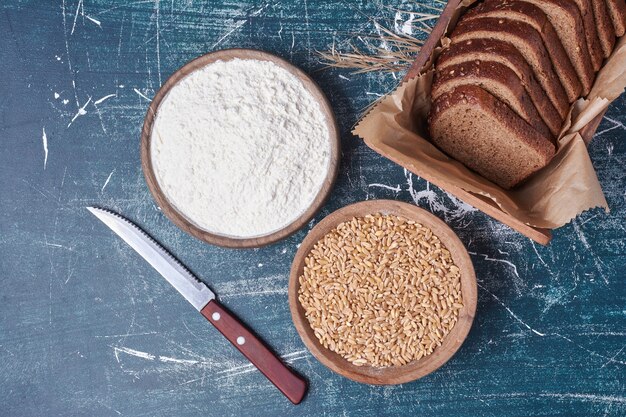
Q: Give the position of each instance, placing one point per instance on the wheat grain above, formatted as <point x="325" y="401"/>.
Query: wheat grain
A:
<point x="380" y="291"/>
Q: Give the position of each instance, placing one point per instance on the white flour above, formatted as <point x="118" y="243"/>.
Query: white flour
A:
<point x="240" y="148"/>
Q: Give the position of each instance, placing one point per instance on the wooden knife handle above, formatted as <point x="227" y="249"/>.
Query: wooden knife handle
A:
<point x="290" y="384"/>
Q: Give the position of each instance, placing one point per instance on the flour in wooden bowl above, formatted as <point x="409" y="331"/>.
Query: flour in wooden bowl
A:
<point x="240" y="148"/>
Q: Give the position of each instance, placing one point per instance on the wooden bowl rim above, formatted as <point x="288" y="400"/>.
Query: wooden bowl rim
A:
<point x="394" y="374"/>
<point x="229" y="241"/>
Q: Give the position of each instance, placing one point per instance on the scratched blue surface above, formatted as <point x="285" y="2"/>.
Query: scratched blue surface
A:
<point x="88" y="328"/>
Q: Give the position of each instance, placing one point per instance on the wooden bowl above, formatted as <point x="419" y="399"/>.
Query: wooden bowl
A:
<point x="393" y="374"/>
<point x="180" y="220"/>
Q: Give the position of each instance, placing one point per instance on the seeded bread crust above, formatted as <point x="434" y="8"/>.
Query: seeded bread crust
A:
<point x="483" y="133"/>
<point x="499" y="81"/>
<point x="591" y="32"/>
<point x="580" y="79"/>
<point x="523" y="37"/>
<point x="568" y="23"/>
<point x="606" y="31"/>
<point x="491" y="50"/>
<point x="617" y="10"/>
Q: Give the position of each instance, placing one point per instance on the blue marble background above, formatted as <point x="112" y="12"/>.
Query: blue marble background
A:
<point x="88" y="328"/>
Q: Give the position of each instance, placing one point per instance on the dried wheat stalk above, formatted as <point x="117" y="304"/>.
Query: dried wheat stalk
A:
<point x="396" y="53"/>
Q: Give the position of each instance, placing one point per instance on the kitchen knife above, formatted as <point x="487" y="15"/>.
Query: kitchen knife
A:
<point x="203" y="299"/>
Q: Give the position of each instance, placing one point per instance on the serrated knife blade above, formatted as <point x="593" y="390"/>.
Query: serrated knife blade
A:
<point x="195" y="291"/>
<point x="203" y="299"/>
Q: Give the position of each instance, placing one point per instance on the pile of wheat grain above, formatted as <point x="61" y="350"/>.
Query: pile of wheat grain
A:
<point x="380" y="291"/>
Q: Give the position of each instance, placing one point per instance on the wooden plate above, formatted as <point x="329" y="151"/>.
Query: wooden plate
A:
<point x="180" y="220"/>
<point x="394" y="374"/>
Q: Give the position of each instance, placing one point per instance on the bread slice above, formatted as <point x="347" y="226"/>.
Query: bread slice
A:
<point x="568" y="23"/>
<point x="499" y="81"/>
<point x="481" y="132"/>
<point x="617" y="10"/>
<point x="591" y="32"/>
<point x="490" y="50"/>
<point x="606" y="32"/>
<point x="523" y="37"/>
<point x="535" y="17"/>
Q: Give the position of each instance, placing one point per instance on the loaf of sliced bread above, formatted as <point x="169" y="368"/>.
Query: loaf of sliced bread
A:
<point x="568" y="23"/>
<point x="591" y="32"/>
<point x="478" y="130"/>
<point x="523" y="37"/>
<point x="606" y="32"/>
<point x="617" y="10"/>
<point x="490" y="50"/>
<point x="499" y="81"/>
<point x="580" y="79"/>
<point x="502" y="88"/>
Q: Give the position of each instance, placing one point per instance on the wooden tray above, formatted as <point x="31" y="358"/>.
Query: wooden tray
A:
<point x="483" y="204"/>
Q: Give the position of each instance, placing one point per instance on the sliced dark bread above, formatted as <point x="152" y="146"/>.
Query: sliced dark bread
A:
<point x="617" y="10"/>
<point x="591" y="32"/>
<point x="523" y="37"/>
<point x="478" y="130"/>
<point x="491" y="50"/>
<point x="499" y="81"/>
<point x="568" y="23"/>
<point x="581" y="76"/>
<point x="606" y="31"/>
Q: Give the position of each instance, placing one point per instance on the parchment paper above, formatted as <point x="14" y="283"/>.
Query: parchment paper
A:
<point x="396" y="128"/>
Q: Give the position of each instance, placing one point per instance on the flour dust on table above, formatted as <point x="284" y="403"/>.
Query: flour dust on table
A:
<point x="240" y="148"/>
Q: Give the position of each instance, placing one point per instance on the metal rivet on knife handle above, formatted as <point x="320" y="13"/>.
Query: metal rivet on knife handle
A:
<point x="290" y="384"/>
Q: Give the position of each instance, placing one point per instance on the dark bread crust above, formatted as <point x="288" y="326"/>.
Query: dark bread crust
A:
<point x="617" y="10"/>
<point x="579" y="78"/>
<point x="568" y="23"/>
<point x="523" y="37"/>
<point x="606" y="31"/>
<point x="498" y="51"/>
<point x="591" y="32"/>
<point x="498" y="80"/>
<point x="481" y="132"/>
